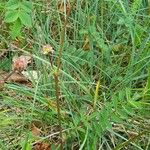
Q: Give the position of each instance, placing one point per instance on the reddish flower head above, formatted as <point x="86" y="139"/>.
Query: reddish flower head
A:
<point x="20" y="63"/>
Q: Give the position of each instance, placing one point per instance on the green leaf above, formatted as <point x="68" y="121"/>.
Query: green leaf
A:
<point x="122" y="113"/>
<point x="83" y="32"/>
<point x="2" y="146"/>
<point x="10" y="3"/>
<point x="11" y="16"/>
<point x="121" y="21"/>
<point x="26" y="6"/>
<point x="26" y="144"/>
<point x="115" y="118"/>
<point x="135" y="104"/>
<point x="13" y="7"/>
<point x="16" y="29"/>
<point x="1" y="5"/>
<point x="25" y="19"/>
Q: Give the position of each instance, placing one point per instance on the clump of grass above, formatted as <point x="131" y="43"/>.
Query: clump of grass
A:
<point x="103" y="86"/>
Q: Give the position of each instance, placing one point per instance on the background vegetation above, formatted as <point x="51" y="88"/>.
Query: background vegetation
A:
<point x="104" y="78"/>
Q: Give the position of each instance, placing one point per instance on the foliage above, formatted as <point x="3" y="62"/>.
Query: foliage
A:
<point x="104" y="76"/>
<point x="18" y="14"/>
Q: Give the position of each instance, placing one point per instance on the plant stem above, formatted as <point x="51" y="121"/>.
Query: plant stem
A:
<point x="57" y="93"/>
<point x="57" y="73"/>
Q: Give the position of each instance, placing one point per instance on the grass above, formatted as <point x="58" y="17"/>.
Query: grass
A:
<point x="104" y="78"/>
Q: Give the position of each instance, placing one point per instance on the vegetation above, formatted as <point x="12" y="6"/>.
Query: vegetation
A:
<point x="88" y="84"/>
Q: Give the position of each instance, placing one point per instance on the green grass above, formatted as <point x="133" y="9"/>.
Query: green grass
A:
<point x="108" y="116"/>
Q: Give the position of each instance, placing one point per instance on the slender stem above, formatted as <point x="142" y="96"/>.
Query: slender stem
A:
<point x="57" y="89"/>
<point x="56" y="74"/>
<point x="62" y="37"/>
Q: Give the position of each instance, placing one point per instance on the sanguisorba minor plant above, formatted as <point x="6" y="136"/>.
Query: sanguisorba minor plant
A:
<point x="98" y="87"/>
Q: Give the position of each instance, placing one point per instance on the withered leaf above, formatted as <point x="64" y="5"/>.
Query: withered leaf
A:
<point x="35" y="130"/>
<point x="42" y="146"/>
<point x="15" y="77"/>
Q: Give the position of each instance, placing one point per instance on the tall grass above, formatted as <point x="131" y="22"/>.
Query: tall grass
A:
<point x="104" y="78"/>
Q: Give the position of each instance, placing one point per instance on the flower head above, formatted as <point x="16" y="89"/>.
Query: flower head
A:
<point x="21" y="63"/>
<point x="46" y="49"/>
